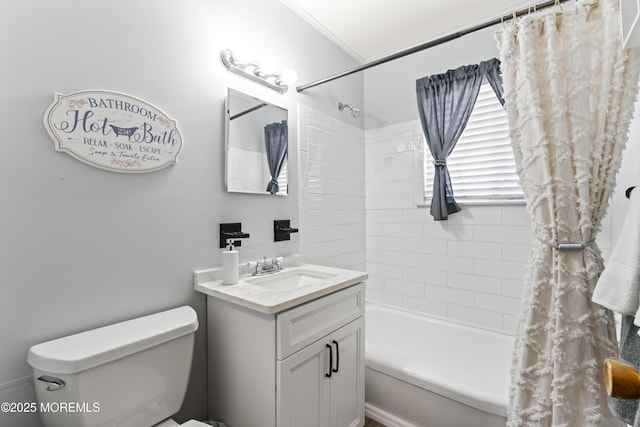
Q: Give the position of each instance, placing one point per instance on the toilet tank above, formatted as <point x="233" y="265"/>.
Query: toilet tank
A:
<point x="129" y="374"/>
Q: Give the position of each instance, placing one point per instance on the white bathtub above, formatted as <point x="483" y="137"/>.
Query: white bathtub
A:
<point x="429" y="372"/>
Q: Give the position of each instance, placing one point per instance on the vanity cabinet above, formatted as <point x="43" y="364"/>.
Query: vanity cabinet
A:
<point x="312" y="392"/>
<point x="300" y="367"/>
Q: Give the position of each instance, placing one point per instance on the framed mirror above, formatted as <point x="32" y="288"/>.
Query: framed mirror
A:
<point x="256" y="145"/>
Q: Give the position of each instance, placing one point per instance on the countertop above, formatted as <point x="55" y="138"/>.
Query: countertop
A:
<point x="270" y="301"/>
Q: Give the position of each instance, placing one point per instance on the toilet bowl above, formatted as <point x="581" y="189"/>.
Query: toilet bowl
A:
<point x="129" y="374"/>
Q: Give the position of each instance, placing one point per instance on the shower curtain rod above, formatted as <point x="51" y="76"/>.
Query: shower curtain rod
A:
<point x="431" y="44"/>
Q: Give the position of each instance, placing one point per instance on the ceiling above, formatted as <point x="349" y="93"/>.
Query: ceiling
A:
<point x="370" y="30"/>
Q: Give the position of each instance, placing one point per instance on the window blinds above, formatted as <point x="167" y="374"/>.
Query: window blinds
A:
<point x="481" y="165"/>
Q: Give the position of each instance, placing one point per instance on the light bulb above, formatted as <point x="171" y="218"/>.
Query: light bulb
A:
<point x="289" y="76"/>
<point x="268" y="66"/>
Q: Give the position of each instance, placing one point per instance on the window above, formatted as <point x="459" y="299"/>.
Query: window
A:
<point x="481" y="166"/>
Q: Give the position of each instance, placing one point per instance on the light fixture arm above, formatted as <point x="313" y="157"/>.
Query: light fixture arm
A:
<point x="252" y="71"/>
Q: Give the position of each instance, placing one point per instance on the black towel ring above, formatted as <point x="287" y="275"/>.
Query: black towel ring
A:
<point x="628" y="192"/>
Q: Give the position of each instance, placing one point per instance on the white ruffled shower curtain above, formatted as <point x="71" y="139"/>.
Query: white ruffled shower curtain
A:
<point x="569" y="90"/>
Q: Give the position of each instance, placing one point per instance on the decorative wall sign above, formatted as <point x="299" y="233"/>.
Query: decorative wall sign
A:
<point x="113" y="131"/>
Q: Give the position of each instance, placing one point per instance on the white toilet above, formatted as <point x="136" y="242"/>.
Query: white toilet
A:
<point x="130" y="374"/>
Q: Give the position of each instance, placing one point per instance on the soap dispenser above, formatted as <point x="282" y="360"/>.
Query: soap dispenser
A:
<point x="230" y="264"/>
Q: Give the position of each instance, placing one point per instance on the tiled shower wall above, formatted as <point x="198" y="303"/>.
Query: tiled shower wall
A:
<point x="332" y="191"/>
<point x="468" y="268"/>
<point x="358" y="210"/>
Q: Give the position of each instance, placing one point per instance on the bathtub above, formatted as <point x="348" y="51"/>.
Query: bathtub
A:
<point x="430" y="372"/>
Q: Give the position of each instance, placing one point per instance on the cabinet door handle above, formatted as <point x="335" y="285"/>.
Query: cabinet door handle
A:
<point x="337" y="356"/>
<point x="330" y="360"/>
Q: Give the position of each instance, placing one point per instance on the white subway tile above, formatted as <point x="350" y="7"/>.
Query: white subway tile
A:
<point x="343" y="173"/>
<point x="325" y="234"/>
<point x="384" y="243"/>
<point x="404" y="287"/>
<point x="357" y="260"/>
<point x="501" y="269"/>
<point x="356" y="216"/>
<point x="397" y="201"/>
<point x="384" y="188"/>
<point x="321" y="250"/>
<point x="337" y="260"/>
<point x="486" y="215"/>
<point x="375" y="255"/>
<point x="403" y="259"/>
<point x="351" y="244"/>
<point x="475" y="249"/>
<point x="384" y="270"/>
<point x="512" y="288"/>
<point x="357" y="230"/>
<point x="384" y="215"/>
<point x="502" y="234"/>
<point x="382" y="297"/>
<point x="403" y="230"/>
<point x="425" y="246"/>
<point x="449" y="295"/>
<point x="515" y="215"/>
<point x="516" y="252"/>
<point x="375" y="229"/>
<point x="475" y="283"/>
<point x="509" y="323"/>
<point x="416" y="215"/>
<point x="426" y="306"/>
<point x="375" y="282"/>
<point x="424" y="275"/>
<point x="449" y="263"/>
<point x="497" y="303"/>
<point x="470" y="214"/>
<point x="320" y="218"/>
<point x="438" y="230"/>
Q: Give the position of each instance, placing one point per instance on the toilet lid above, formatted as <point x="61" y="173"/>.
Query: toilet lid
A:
<point x="194" y="423"/>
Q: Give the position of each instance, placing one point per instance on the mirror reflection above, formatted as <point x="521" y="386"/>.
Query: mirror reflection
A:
<point x="256" y="145"/>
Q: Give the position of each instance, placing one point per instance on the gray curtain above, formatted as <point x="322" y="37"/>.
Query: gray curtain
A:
<point x="276" y="144"/>
<point x="445" y="102"/>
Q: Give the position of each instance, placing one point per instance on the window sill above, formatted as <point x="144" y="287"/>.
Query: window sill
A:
<point x="481" y="203"/>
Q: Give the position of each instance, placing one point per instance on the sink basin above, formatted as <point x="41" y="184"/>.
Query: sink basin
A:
<point x="274" y="293"/>
<point x="288" y="280"/>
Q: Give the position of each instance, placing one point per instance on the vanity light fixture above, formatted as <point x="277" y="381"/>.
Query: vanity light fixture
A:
<point x="258" y="73"/>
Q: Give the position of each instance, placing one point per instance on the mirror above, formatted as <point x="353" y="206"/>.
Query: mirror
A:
<point x="256" y="145"/>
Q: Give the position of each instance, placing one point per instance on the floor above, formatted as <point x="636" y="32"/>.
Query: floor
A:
<point x="368" y="422"/>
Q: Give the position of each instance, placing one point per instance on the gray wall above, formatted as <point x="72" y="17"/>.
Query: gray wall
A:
<point x="82" y="247"/>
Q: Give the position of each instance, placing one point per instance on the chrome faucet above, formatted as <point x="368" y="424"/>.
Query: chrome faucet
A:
<point x="266" y="266"/>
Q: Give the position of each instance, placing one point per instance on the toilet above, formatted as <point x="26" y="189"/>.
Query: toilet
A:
<point x="129" y="374"/>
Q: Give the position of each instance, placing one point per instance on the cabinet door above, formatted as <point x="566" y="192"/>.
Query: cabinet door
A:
<point x="303" y="395"/>
<point x="347" y="384"/>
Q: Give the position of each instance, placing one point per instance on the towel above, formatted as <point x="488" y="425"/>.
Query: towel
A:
<point x="618" y="287"/>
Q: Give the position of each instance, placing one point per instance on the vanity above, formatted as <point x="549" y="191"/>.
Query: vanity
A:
<point x="286" y="349"/>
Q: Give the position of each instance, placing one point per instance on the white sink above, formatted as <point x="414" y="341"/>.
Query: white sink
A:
<point x="288" y="280"/>
<point x="276" y="292"/>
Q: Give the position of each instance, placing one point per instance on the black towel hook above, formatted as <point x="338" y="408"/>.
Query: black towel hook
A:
<point x="629" y="190"/>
